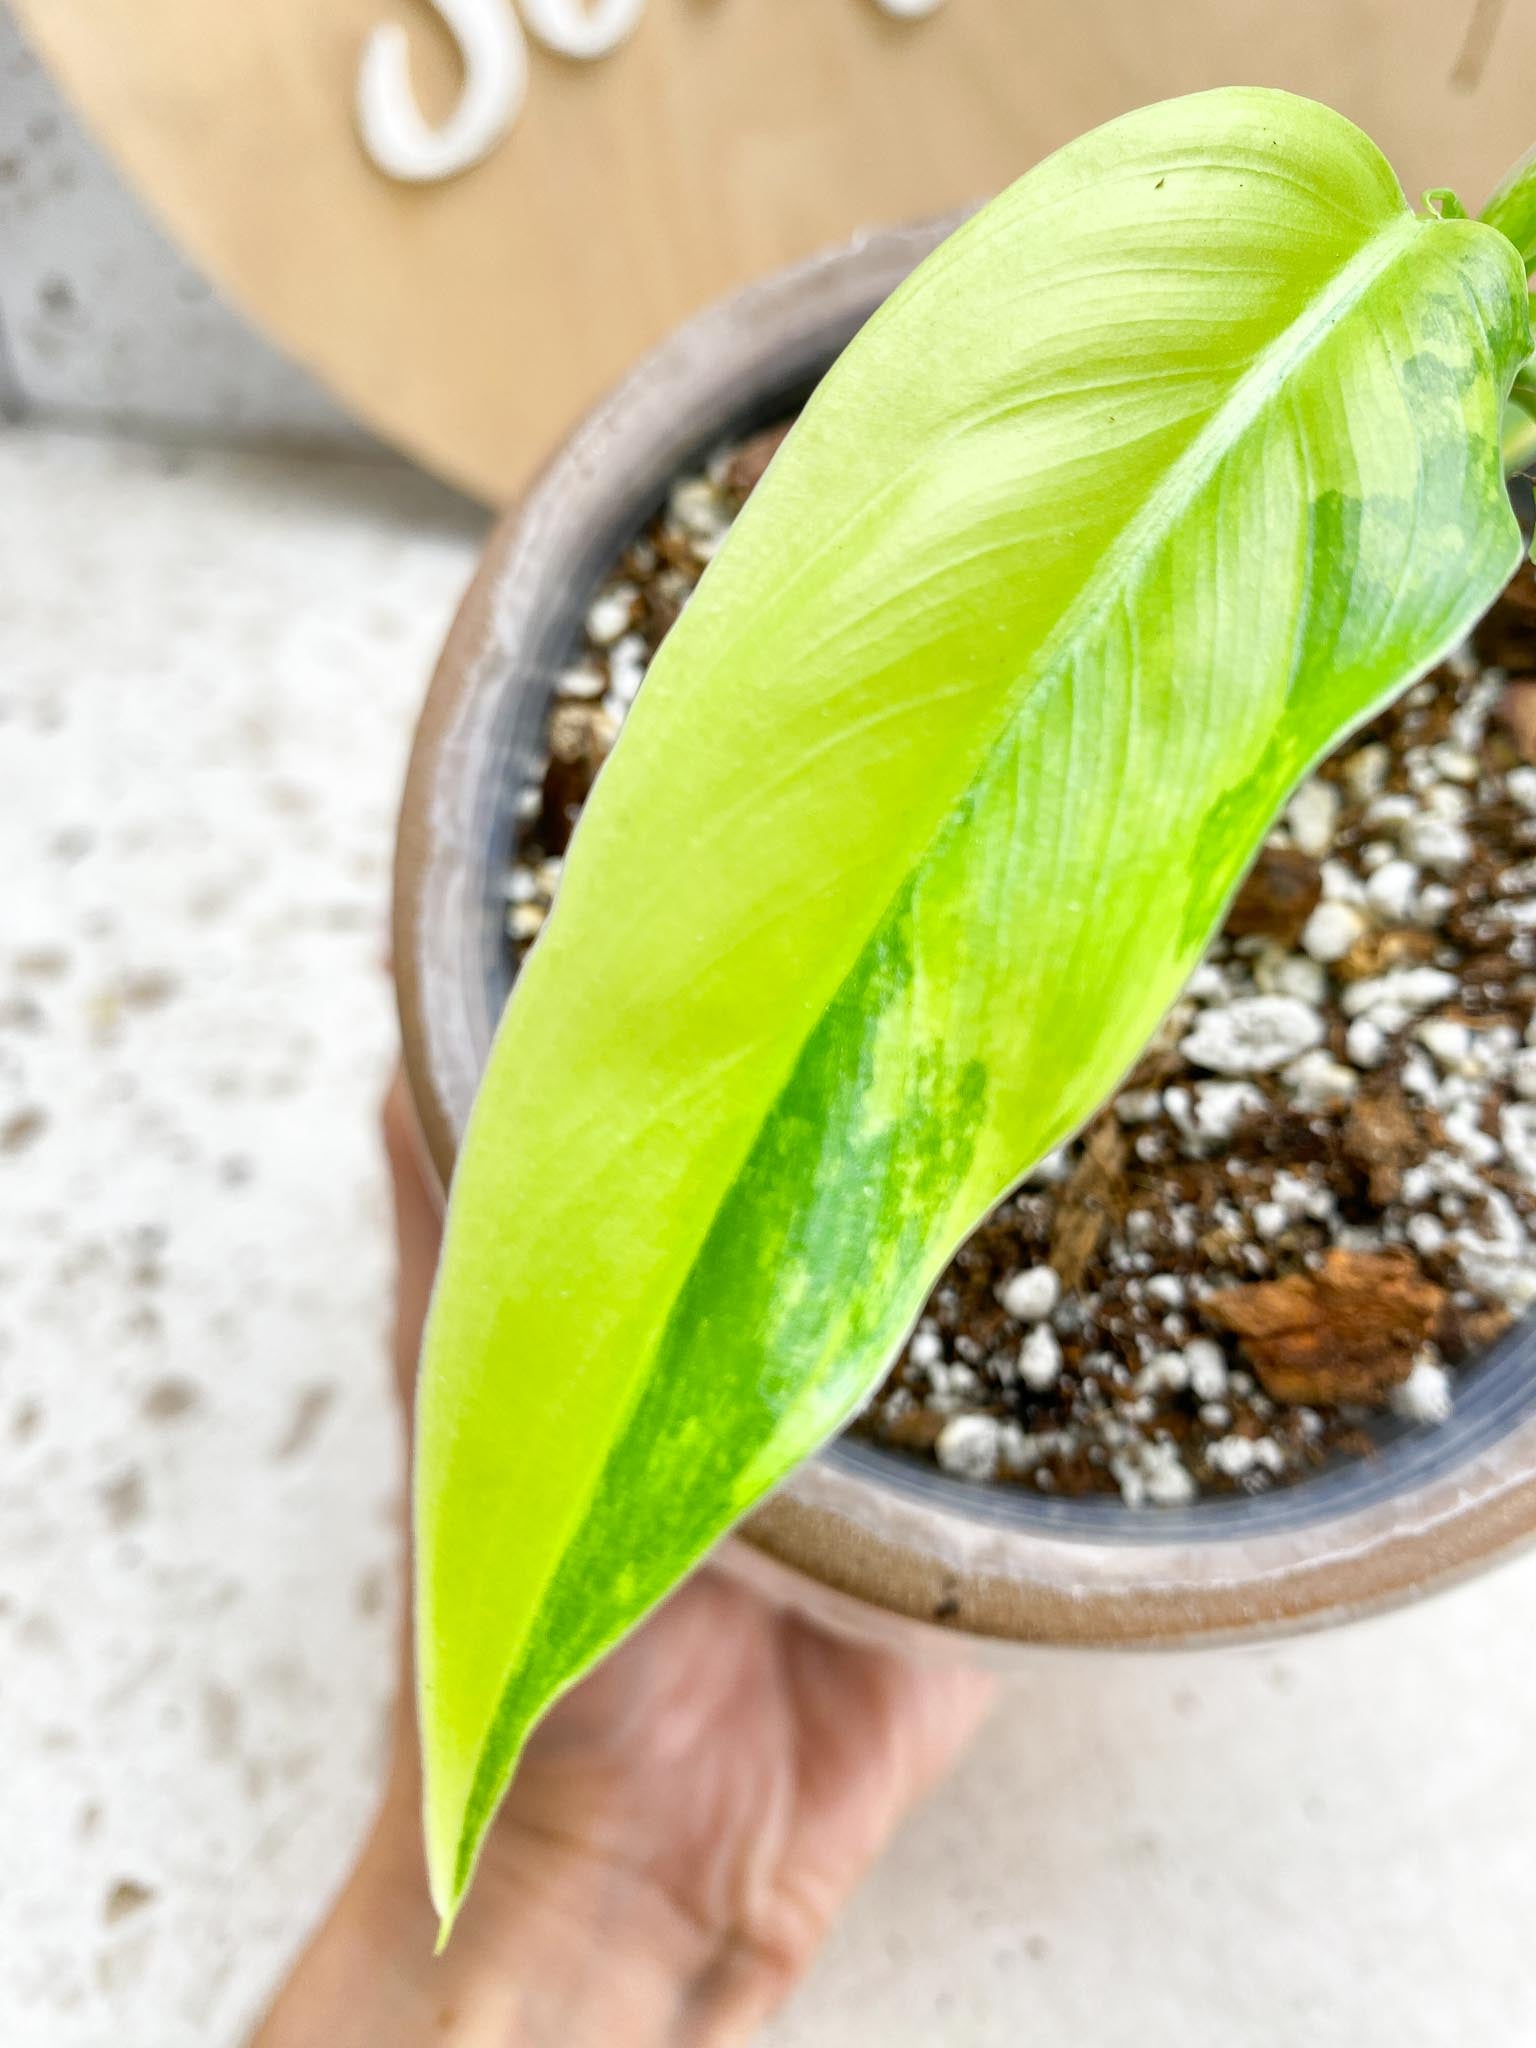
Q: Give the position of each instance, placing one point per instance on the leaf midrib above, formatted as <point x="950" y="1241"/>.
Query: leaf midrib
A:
<point x="1118" y="567"/>
<point x="1264" y="379"/>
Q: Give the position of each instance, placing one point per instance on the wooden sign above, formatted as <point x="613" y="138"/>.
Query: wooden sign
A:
<point x="470" y="216"/>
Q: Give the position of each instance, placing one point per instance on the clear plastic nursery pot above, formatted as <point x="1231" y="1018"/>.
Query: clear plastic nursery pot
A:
<point x="862" y="1536"/>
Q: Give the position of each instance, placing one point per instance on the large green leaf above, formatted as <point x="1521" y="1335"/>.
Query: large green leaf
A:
<point x="1168" y="468"/>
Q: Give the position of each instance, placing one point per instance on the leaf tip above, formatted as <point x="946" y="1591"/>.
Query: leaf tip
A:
<point x="453" y="1835"/>
<point x="447" y="1890"/>
<point x="445" y="1881"/>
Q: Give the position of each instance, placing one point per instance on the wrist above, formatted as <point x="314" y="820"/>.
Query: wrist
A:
<point x="568" y="1950"/>
<point x="556" y="1948"/>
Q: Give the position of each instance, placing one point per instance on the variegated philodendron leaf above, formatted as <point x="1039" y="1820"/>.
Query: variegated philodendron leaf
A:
<point x="1169" y="468"/>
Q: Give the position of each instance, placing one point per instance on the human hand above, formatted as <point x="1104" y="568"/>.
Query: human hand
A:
<point x="682" y="1830"/>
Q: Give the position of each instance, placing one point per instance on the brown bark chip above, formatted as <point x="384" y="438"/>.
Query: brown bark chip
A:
<point x="1379" y="952"/>
<point x="1090" y="1200"/>
<point x="1281" y="893"/>
<point x="1381" y="1138"/>
<point x="1348" y="1332"/>
<point x="1517" y="713"/>
<point x="745" y="471"/>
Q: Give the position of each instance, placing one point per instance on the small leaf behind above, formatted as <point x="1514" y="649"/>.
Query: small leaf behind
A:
<point x="1512" y="209"/>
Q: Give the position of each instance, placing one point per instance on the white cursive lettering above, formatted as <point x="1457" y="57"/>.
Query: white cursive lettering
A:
<point x="495" y="60"/>
<point x="494" y="52"/>
<point x="582" y="28"/>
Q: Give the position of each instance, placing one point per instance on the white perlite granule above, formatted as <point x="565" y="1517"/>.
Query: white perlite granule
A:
<point x="1165" y="1372"/>
<point x="926" y="1348"/>
<point x="1151" y="1471"/>
<point x="1252" y="1035"/>
<point x="1437" y="843"/>
<point x="1392" y="890"/>
<point x="610" y="614"/>
<point x="1030" y="1296"/>
<point x="1365" y="771"/>
<point x="1517" y="1129"/>
<point x="968" y="1446"/>
<point x="1232" y="1455"/>
<point x="1425" y="1396"/>
<point x="1040" y="1359"/>
<point x="1393" y="999"/>
<point x="1331" y="930"/>
<point x="1143" y="1105"/>
<point x="1316" y="1079"/>
<point x="1208" y="1116"/>
<point x="1499" y="1260"/>
<point x="1365" y="1043"/>
<point x="1207" y="1368"/>
<point x="1278" y="973"/>
<point x="1312" y="814"/>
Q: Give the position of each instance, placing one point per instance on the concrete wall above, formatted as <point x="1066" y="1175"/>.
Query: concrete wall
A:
<point x="101" y="321"/>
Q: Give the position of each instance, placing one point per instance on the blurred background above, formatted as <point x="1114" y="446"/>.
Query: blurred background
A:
<point x="220" y="599"/>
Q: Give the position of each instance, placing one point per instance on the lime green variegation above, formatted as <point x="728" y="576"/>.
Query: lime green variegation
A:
<point x="1167" y="469"/>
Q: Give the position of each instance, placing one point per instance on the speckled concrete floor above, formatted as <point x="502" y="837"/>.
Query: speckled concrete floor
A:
<point x="208" y="668"/>
<point x="209" y="665"/>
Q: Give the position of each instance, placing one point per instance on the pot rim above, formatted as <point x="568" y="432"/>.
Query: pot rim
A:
<point x="866" y="1524"/>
